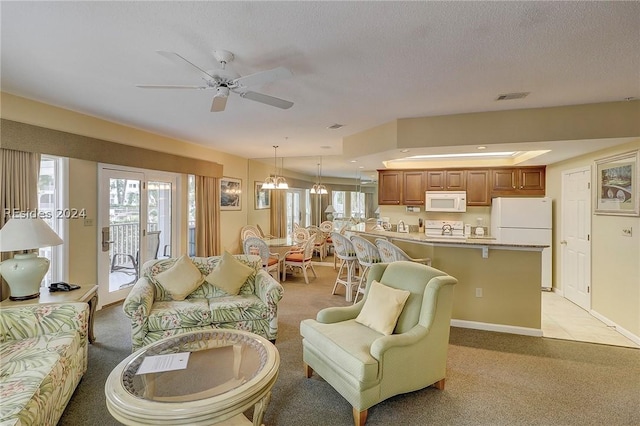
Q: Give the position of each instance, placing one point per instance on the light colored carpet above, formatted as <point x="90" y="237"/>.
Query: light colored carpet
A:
<point x="493" y="378"/>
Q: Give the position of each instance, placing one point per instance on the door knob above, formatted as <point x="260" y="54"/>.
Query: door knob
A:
<point x="563" y="242"/>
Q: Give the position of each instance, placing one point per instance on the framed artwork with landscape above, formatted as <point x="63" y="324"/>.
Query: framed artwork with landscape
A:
<point x="230" y="194"/>
<point x="617" y="185"/>
<point x="262" y="197"/>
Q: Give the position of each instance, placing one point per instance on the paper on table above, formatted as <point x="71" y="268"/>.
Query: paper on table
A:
<point x="158" y="363"/>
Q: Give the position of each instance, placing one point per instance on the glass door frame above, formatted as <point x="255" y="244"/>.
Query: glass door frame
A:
<point x="106" y="172"/>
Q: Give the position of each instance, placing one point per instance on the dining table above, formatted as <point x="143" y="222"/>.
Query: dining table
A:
<point x="281" y="245"/>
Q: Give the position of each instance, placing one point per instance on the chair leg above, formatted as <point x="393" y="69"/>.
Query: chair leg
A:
<point x="308" y="371"/>
<point x="439" y="384"/>
<point x="313" y="270"/>
<point x="359" y="417"/>
<point x="304" y="272"/>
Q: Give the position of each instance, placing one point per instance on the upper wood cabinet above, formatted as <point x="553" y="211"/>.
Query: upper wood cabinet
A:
<point x="523" y="181"/>
<point x="478" y="188"/>
<point x="390" y="187"/>
<point x="413" y="183"/>
<point x="407" y="187"/>
<point x="446" y="180"/>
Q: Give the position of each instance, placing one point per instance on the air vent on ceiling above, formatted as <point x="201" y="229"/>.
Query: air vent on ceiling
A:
<point x="335" y="126"/>
<point x="510" y="96"/>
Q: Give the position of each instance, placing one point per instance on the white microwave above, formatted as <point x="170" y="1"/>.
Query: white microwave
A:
<point x="446" y="201"/>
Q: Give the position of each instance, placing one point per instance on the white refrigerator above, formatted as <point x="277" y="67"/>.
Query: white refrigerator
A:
<point x="524" y="221"/>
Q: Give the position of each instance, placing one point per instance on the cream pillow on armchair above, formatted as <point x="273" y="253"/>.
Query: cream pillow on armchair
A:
<point x="382" y="307"/>
<point x="181" y="279"/>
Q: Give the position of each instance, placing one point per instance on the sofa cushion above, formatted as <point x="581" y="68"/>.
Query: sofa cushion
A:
<point x="181" y="279"/>
<point x="229" y="274"/>
<point x="237" y="308"/>
<point x="35" y="376"/>
<point x="382" y="307"/>
<point x="349" y="344"/>
<point x="169" y="315"/>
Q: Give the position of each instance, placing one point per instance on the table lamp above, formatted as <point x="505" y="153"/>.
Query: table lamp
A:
<point x="25" y="271"/>
<point x="329" y="211"/>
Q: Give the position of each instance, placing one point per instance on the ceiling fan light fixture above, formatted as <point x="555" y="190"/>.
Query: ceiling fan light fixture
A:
<point x="222" y="92"/>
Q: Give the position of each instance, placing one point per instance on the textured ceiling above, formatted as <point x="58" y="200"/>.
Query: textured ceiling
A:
<point x="360" y="64"/>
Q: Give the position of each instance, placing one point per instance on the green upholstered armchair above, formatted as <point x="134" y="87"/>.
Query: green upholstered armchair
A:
<point x="367" y="367"/>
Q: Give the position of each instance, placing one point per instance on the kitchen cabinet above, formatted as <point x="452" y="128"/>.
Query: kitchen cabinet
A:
<point x="407" y="187"/>
<point x="446" y="180"/>
<point x="523" y="181"/>
<point x="390" y="187"/>
<point x="413" y="183"/>
<point x="478" y="188"/>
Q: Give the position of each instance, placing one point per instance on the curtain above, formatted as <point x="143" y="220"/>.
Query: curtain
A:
<point x="18" y="189"/>
<point x="207" y="216"/>
<point x="319" y="204"/>
<point x="278" y="216"/>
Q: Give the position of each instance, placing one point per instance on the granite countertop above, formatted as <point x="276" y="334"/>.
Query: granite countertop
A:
<point x="419" y="237"/>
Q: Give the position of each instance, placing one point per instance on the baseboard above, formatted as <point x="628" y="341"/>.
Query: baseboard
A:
<point x="501" y="328"/>
<point x="626" y="333"/>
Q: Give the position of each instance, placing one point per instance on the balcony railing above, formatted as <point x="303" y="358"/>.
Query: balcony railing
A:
<point x="126" y="237"/>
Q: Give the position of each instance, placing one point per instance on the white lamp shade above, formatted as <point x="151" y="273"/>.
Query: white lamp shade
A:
<point x="329" y="209"/>
<point x="27" y="234"/>
<point x="24" y="272"/>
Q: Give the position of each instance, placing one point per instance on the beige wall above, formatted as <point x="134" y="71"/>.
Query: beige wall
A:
<point x="615" y="259"/>
<point x="83" y="185"/>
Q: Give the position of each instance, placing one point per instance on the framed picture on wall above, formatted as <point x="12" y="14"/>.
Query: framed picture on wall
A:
<point x="617" y="185"/>
<point x="230" y="194"/>
<point x="262" y="197"/>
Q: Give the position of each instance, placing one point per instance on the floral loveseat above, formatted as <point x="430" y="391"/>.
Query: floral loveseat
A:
<point x="156" y="314"/>
<point x="43" y="353"/>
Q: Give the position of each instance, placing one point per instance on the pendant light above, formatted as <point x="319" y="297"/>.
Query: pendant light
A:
<point x="318" y="187"/>
<point x="275" y="181"/>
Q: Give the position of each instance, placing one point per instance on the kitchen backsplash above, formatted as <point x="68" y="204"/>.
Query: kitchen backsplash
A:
<point x="471" y="216"/>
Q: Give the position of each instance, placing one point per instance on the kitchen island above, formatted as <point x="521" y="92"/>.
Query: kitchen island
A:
<point x="499" y="284"/>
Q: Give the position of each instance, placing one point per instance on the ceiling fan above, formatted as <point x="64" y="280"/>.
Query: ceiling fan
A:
<point x="224" y="80"/>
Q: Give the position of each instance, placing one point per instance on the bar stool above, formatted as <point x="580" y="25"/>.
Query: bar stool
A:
<point x="368" y="255"/>
<point x="343" y="250"/>
<point x="390" y="252"/>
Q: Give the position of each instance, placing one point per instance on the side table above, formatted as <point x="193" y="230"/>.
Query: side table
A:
<point x="86" y="293"/>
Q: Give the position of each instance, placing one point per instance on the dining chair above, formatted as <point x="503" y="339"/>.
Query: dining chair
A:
<point x="320" y="243"/>
<point x="368" y="255"/>
<point x="343" y="250"/>
<point x="249" y="231"/>
<point x="300" y="257"/>
<point x="390" y="252"/>
<point x="257" y="246"/>
<point x="300" y="235"/>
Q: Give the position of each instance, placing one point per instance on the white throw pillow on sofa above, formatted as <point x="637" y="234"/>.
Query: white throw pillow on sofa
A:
<point x="229" y="274"/>
<point x="181" y="279"/>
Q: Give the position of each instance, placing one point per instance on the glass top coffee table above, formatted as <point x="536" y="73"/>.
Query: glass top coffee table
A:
<point x="218" y="375"/>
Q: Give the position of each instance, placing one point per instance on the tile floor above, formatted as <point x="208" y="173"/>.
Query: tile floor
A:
<point x="562" y="319"/>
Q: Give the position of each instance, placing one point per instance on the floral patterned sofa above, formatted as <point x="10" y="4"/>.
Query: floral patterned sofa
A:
<point x="43" y="349"/>
<point x="155" y="314"/>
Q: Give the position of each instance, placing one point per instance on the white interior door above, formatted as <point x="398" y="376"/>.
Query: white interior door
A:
<point x="122" y="219"/>
<point x="575" y="236"/>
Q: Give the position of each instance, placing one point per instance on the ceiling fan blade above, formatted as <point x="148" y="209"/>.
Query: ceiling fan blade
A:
<point x="219" y="103"/>
<point x="266" y="99"/>
<point x="168" y="86"/>
<point x="263" y="77"/>
<point x="174" y="57"/>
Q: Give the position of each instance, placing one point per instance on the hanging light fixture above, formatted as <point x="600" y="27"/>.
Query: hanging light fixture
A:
<point x="318" y="187"/>
<point x="281" y="182"/>
<point x="275" y="181"/>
